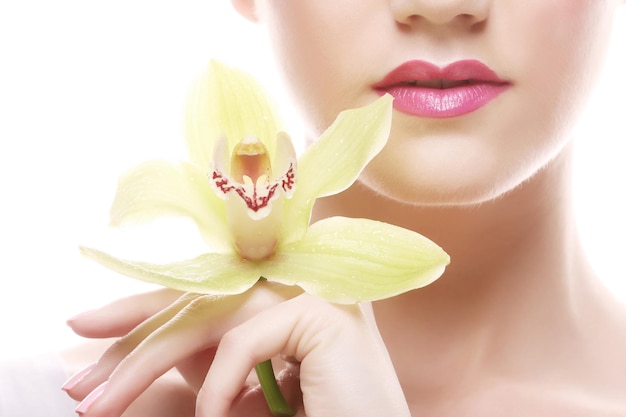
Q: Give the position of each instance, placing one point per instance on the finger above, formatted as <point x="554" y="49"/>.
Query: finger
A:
<point x="266" y="335"/>
<point x="167" y="397"/>
<point x="195" y="368"/>
<point x="336" y="346"/>
<point x="125" y="345"/>
<point x="121" y="316"/>
<point x="180" y="337"/>
<point x="198" y="326"/>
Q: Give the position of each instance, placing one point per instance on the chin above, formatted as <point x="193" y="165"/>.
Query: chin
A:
<point x="430" y="195"/>
<point x="449" y="183"/>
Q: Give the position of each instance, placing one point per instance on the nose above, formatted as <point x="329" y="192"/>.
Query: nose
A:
<point x="440" y="12"/>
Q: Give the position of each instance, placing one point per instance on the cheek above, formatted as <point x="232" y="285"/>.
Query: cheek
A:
<point x="325" y="53"/>
<point x="555" y="51"/>
<point x="555" y="68"/>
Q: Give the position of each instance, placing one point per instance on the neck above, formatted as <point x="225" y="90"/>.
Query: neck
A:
<point x="516" y="269"/>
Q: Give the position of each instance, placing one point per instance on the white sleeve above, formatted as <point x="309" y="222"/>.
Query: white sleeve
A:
<point x="31" y="387"/>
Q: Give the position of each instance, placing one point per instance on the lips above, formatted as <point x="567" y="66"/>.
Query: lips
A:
<point x="425" y="90"/>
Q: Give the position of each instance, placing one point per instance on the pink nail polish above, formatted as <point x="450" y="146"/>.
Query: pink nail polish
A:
<point x="90" y="399"/>
<point x="78" y="317"/>
<point x="77" y="377"/>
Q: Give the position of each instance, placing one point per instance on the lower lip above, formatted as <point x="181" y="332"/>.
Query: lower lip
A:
<point x="443" y="103"/>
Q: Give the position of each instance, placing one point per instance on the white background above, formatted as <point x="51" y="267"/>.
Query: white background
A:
<point x="89" y="89"/>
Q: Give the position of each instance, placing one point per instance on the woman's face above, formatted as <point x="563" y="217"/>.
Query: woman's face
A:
<point x="487" y="91"/>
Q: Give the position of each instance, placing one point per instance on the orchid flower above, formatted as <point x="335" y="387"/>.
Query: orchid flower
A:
<point x="252" y="199"/>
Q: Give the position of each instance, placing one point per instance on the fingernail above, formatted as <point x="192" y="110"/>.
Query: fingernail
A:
<point x="77" y="377"/>
<point x="90" y="399"/>
<point x="78" y="317"/>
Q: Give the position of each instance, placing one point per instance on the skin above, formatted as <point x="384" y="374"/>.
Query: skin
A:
<point x="518" y="325"/>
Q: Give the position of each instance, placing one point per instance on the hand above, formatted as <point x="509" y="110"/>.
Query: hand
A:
<point x="140" y="314"/>
<point x="335" y="353"/>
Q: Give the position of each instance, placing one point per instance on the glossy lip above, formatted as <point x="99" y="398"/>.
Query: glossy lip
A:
<point x="425" y="90"/>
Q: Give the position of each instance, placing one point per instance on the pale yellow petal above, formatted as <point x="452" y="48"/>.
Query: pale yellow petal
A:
<point x="227" y="102"/>
<point x="349" y="260"/>
<point x="336" y="160"/>
<point x="211" y="273"/>
<point x="158" y="188"/>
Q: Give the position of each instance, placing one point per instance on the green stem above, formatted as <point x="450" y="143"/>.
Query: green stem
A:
<point x="275" y="400"/>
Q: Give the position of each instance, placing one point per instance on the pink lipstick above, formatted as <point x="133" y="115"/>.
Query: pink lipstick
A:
<point x="425" y="90"/>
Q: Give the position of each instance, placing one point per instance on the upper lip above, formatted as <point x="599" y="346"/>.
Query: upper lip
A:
<point x="425" y="74"/>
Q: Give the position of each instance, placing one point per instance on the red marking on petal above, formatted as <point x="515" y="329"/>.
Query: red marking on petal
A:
<point x="257" y="201"/>
<point x="256" y="196"/>
<point x="288" y="179"/>
<point x="221" y="182"/>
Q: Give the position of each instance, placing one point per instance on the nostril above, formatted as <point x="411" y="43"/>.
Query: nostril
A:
<point x="441" y="12"/>
<point x="408" y="21"/>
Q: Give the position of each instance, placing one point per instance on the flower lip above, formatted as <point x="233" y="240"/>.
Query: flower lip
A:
<point x="425" y="74"/>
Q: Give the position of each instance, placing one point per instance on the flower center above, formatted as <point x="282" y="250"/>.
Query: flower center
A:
<point x="250" y="159"/>
<point x="251" y="178"/>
